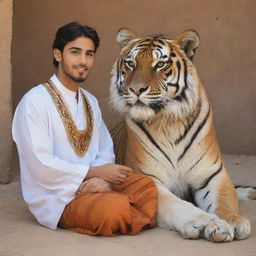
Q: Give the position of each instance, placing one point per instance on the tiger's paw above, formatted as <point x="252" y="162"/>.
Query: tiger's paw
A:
<point x="241" y="226"/>
<point x="219" y="231"/>
<point x="194" y="229"/>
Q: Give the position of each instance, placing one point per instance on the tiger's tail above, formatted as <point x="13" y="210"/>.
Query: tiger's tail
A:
<point x="246" y="192"/>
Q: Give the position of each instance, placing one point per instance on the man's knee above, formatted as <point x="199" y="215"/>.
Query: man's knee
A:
<point x="116" y="206"/>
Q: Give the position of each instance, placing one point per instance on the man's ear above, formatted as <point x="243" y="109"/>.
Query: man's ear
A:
<point x="57" y="55"/>
<point x="188" y="42"/>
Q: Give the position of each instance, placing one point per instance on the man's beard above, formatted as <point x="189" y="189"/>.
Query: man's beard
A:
<point x="73" y="78"/>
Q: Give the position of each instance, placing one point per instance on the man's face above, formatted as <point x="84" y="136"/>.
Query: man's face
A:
<point x="76" y="59"/>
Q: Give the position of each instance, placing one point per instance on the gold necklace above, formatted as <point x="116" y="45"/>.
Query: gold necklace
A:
<point x="78" y="139"/>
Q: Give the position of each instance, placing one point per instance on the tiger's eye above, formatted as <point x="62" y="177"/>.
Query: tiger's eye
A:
<point x="130" y="64"/>
<point x="160" y="64"/>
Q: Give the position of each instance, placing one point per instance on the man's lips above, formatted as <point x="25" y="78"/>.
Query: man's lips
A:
<point x="81" y="69"/>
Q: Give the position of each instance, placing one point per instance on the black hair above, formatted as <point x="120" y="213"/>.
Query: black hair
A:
<point x="71" y="32"/>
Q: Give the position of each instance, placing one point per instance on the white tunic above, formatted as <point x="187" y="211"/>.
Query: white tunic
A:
<point x="51" y="171"/>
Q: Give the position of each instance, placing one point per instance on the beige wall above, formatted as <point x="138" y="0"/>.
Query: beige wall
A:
<point x="226" y="58"/>
<point x="5" y="90"/>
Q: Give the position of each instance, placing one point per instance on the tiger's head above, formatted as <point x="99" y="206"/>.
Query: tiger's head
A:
<point x="155" y="74"/>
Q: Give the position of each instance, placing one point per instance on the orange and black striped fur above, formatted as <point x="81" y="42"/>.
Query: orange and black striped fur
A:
<point x="168" y="135"/>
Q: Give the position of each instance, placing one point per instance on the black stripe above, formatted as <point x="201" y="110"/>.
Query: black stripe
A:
<point x="142" y="45"/>
<point x="154" y="142"/>
<point x="118" y="67"/>
<point x="201" y="159"/>
<point x="207" y="180"/>
<point x="157" y="45"/>
<point x="240" y="186"/>
<point x="169" y="61"/>
<point x="185" y="74"/>
<point x="161" y="41"/>
<point x="196" y="163"/>
<point x="144" y="40"/>
<point x="206" y="194"/>
<point x="179" y="68"/>
<point x="208" y="208"/>
<point x="182" y="96"/>
<point x="201" y="125"/>
<point x="187" y="128"/>
<point x="149" y="152"/>
<point x="119" y="77"/>
<point x="216" y="160"/>
<point x="177" y="87"/>
<point x="168" y="74"/>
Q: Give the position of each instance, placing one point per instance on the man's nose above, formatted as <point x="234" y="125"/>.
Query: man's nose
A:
<point x="83" y="59"/>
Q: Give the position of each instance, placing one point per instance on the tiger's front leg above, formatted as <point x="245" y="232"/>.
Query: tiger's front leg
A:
<point x="177" y="214"/>
<point x="219" y="197"/>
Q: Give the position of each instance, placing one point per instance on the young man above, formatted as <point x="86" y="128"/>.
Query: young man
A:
<point x="68" y="175"/>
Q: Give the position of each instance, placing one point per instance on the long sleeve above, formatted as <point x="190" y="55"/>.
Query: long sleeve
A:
<point x="37" y="159"/>
<point x="106" y="152"/>
<point x="51" y="171"/>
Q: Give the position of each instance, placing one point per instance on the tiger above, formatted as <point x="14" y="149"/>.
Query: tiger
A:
<point x="168" y="135"/>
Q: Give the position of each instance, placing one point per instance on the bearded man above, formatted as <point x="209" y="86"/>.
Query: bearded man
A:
<point x="68" y="175"/>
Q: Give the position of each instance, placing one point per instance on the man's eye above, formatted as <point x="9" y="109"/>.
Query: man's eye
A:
<point x="130" y="64"/>
<point x="89" y="54"/>
<point x="160" y="64"/>
<point x="74" y="52"/>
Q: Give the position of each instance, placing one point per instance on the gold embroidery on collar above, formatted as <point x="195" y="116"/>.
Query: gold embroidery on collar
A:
<point x="78" y="139"/>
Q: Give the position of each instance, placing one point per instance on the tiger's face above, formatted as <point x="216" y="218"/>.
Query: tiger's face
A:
<point x="154" y="74"/>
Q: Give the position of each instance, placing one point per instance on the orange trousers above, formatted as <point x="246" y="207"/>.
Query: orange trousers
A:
<point x="128" y="209"/>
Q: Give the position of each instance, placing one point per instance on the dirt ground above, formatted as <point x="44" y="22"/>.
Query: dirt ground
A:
<point x="20" y="235"/>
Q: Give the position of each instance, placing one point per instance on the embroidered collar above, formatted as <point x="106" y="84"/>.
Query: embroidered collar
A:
<point x="78" y="139"/>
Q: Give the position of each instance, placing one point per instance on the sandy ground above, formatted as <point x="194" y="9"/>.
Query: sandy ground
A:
<point x="20" y="235"/>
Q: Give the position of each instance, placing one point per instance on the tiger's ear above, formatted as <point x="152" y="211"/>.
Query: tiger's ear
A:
<point x="124" y="36"/>
<point x="188" y="42"/>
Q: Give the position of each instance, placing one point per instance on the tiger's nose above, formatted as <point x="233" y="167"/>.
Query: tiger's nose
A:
<point x="138" y="90"/>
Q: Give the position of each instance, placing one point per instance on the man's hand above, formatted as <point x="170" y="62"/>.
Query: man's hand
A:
<point x="113" y="173"/>
<point x="93" y="185"/>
